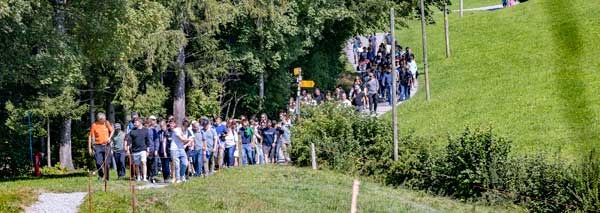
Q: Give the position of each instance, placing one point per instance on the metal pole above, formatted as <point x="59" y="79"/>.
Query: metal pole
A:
<point x="394" y="85"/>
<point x="447" y="31"/>
<point x="424" y="35"/>
<point x="29" y="132"/>
<point x="298" y="96"/>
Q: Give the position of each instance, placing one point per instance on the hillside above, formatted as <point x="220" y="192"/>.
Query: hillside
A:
<point x="247" y="189"/>
<point x="529" y="71"/>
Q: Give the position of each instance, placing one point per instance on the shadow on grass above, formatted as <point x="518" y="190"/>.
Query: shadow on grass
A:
<point x="44" y="177"/>
<point x="569" y="77"/>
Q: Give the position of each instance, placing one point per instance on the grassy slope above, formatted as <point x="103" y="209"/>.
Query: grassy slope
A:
<point x="249" y="189"/>
<point x="530" y="71"/>
<point x="473" y="3"/>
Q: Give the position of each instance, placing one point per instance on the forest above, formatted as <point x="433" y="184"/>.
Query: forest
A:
<point x="61" y="62"/>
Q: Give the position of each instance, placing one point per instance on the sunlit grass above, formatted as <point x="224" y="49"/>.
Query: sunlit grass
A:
<point x="512" y="69"/>
<point x="248" y="189"/>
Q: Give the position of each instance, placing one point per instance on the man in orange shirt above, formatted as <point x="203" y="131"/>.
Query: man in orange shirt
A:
<point x="100" y="132"/>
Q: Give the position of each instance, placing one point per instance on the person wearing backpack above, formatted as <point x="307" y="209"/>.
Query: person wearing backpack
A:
<point x="360" y="99"/>
<point x="100" y="134"/>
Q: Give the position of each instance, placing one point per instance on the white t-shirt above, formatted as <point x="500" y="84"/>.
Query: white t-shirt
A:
<point x="346" y="103"/>
<point x="412" y="66"/>
<point x="175" y="140"/>
<point x="231" y="138"/>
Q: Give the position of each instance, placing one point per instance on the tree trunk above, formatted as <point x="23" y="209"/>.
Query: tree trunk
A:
<point x="66" y="160"/>
<point x="261" y="92"/>
<point x="111" y="112"/>
<point x="179" y="99"/>
<point x="92" y="104"/>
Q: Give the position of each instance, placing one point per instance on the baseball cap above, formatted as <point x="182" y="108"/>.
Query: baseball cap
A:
<point x="152" y="117"/>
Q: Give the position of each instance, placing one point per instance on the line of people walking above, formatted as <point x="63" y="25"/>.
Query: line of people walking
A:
<point x="197" y="147"/>
<point x="373" y="84"/>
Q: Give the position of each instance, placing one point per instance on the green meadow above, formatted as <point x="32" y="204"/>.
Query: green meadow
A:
<point x="529" y="71"/>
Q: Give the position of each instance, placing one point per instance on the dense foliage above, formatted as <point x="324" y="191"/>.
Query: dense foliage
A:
<point x="61" y="59"/>
<point x="475" y="165"/>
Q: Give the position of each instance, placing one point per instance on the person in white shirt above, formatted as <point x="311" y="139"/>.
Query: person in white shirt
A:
<point x="345" y="101"/>
<point x="412" y="67"/>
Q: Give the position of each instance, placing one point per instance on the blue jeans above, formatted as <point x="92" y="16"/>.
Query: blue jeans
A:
<point x="198" y="160"/>
<point x="101" y="152"/>
<point x="210" y="162"/>
<point x="246" y="154"/>
<point x="230" y="158"/>
<point x="120" y="161"/>
<point x="402" y="92"/>
<point x="261" y="157"/>
<point x="180" y="160"/>
<point x="166" y="168"/>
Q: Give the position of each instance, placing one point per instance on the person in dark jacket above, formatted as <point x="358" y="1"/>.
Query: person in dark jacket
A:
<point x="140" y="141"/>
<point x="152" y="150"/>
<point x="164" y="136"/>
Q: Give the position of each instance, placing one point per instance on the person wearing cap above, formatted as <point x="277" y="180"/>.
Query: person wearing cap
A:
<point x="100" y="133"/>
<point x="118" y="141"/>
<point x="211" y="141"/>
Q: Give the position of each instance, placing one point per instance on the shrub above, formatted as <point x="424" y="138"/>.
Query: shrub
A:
<point x="473" y="163"/>
<point x="473" y="166"/>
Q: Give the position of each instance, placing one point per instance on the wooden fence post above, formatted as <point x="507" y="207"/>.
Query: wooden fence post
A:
<point x="313" y="156"/>
<point x="355" y="187"/>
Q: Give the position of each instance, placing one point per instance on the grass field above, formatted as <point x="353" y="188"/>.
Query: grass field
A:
<point x="529" y="71"/>
<point x="248" y="189"/>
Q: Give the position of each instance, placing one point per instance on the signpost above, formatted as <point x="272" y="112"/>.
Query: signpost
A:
<point x="301" y="84"/>
<point x="307" y="84"/>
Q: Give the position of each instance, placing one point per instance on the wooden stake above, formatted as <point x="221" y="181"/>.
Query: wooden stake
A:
<point x="461" y="8"/>
<point x="446" y="30"/>
<point x="313" y="156"/>
<point x="90" y="190"/>
<point x="424" y="37"/>
<point x="355" y="187"/>
<point x="394" y="85"/>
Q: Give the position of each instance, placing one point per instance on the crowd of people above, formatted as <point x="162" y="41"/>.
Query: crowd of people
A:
<point x="195" y="148"/>
<point x="374" y="82"/>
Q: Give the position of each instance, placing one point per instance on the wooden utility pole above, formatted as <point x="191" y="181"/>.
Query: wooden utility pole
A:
<point x="394" y="86"/>
<point x="424" y="36"/>
<point x="461" y="8"/>
<point x="48" y="155"/>
<point x="446" y="28"/>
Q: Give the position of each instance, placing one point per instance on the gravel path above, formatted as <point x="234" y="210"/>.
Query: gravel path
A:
<point x="57" y="202"/>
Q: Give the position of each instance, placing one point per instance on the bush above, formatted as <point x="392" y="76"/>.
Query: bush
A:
<point x="476" y="165"/>
<point x="473" y="163"/>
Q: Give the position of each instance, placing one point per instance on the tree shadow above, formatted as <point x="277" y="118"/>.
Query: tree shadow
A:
<point x="569" y="75"/>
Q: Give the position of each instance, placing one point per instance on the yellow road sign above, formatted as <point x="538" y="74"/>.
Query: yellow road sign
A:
<point x="307" y="84"/>
<point x="297" y="71"/>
